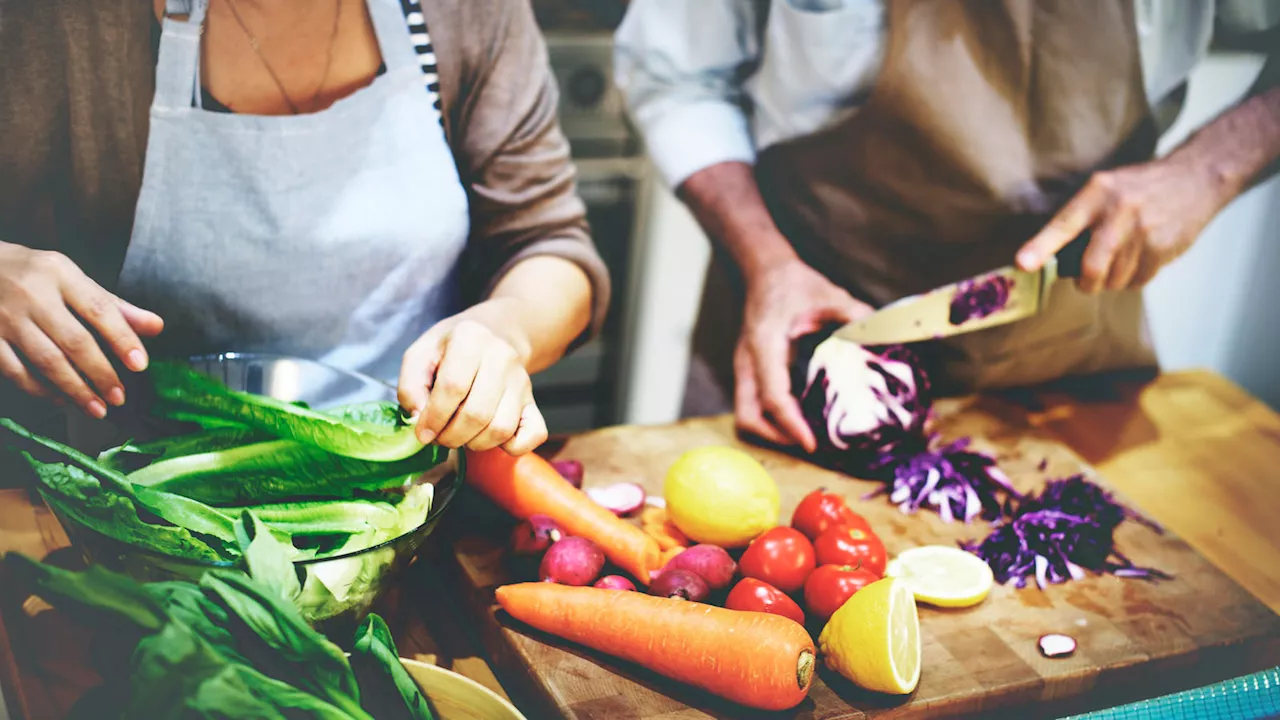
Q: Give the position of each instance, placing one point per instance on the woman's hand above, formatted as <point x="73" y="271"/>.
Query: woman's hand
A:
<point x="467" y="381"/>
<point x="47" y="308"/>
<point x="784" y="302"/>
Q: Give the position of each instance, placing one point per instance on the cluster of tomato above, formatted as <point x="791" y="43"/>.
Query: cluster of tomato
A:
<point x="827" y="554"/>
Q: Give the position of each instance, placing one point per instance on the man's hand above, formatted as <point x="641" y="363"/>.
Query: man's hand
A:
<point x="1142" y="217"/>
<point x="784" y="303"/>
<point x="48" y="307"/>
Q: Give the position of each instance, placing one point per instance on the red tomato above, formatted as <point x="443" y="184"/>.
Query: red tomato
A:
<point x="831" y="585"/>
<point x="820" y="511"/>
<point x="752" y="595"/>
<point x="781" y="557"/>
<point x="851" y="546"/>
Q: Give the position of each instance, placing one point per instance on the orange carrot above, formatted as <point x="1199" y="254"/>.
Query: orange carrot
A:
<point x="667" y="536"/>
<point x="529" y="485"/>
<point x="653" y="516"/>
<point x="755" y="659"/>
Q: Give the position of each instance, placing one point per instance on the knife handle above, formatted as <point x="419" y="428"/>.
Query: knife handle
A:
<point x="1071" y="256"/>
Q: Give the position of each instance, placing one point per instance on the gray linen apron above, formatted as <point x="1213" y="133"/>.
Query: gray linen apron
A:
<point x="984" y="119"/>
<point x="333" y="236"/>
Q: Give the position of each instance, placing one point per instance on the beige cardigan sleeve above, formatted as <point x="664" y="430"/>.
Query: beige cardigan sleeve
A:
<point x="500" y="99"/>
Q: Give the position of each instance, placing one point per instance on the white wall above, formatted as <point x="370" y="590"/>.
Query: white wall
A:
<point x="1216" y="307"/>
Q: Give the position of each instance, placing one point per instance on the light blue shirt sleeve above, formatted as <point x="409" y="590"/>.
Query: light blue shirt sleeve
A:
<point x="680" y="65"/>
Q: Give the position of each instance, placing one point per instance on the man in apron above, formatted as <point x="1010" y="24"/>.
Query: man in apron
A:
<point x="898" y="145"/>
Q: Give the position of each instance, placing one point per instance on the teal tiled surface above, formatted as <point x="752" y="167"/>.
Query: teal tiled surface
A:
<point x="1251" y="697"/>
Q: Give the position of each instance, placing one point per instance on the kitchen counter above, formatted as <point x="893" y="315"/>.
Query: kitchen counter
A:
<point x="1190" y="449"/>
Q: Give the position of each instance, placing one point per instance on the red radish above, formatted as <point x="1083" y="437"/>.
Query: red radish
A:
<point x="570" y="470"/>
<point x="1055" y="645"/>
<point x="711" y="562"/>
<point x="535" y="535"/>
<point x="620" y="499"/>
<point x="572" y="561"/>
<point x="614" y="582"/>
<point x="680" y="584"/>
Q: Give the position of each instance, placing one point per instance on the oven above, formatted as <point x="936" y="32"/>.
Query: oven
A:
<point x="586" y="389"/>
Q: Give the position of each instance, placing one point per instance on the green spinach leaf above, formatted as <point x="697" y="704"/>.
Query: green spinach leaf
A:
<point x="274" y="637"/>
<point x="187" y="603"/>
<point x="95" y="595"/>
<point x="270" y="560"/>
<point x="387" y="690"/>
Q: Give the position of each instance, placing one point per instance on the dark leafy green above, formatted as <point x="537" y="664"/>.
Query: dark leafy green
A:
<point x="74" y="494"/>
<point x="188" y="604"/>
<point x="275" y="638"/>
<point x="131" y="456"/>
<point x="229" y="647"/>
<point x="270" y="559"/>
<point x="180" y="388"/>
<point x="388" y="692"/>
<point x="278" y="470"/>
<point x="190" y="514"/>
<point x="43" y="446"/>
<point x="96" y="596"/>
<point x="329" y="517"/>
<point x="102" y="499"/>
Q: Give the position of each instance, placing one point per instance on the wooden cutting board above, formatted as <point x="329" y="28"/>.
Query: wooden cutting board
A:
<point x="1136" y="639"/>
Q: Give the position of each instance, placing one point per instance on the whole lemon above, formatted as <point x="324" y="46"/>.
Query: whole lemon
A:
<point x="720" y="495"/>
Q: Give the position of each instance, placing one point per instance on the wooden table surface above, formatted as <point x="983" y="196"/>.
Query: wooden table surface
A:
<point x="1192" y="450"/>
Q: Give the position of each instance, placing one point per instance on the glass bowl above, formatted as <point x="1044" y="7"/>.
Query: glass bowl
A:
<point x="339" y="590"/>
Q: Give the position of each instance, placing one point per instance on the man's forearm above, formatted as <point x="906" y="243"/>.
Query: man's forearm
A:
<point x="1236" y="146"/>
<point x="726" y="201"/>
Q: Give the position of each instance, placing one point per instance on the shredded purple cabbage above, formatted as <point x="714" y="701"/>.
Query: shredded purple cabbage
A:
<point x="979" y="298"/>
<point x="952" y="480"/>
<point x="869" y="409"/>
<point x="1055" y="536"/>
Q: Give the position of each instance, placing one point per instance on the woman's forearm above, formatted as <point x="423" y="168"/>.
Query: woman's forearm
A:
<point x="545" y="302"/>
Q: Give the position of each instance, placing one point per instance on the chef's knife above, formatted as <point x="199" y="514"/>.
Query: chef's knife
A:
<point x="927" y="316"/>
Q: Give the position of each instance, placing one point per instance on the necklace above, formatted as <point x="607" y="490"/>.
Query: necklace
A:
<point x="253" y="42"/>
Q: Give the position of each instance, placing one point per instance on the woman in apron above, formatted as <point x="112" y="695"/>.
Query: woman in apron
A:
<point x="318" y="179"/>
<point x="983" y="120"/>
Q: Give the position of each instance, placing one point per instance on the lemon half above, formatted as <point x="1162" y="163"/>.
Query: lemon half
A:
<point x="942" y="575"/>
<point x="874" y="639"/>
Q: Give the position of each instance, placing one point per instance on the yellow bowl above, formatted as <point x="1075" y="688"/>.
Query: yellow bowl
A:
<point x="455" y="697"/>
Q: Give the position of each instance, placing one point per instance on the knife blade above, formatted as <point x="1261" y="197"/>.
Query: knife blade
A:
<point x="928" y="316"/>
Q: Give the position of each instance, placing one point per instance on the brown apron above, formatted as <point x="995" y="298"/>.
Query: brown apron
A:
<point x="986" y="117"/>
